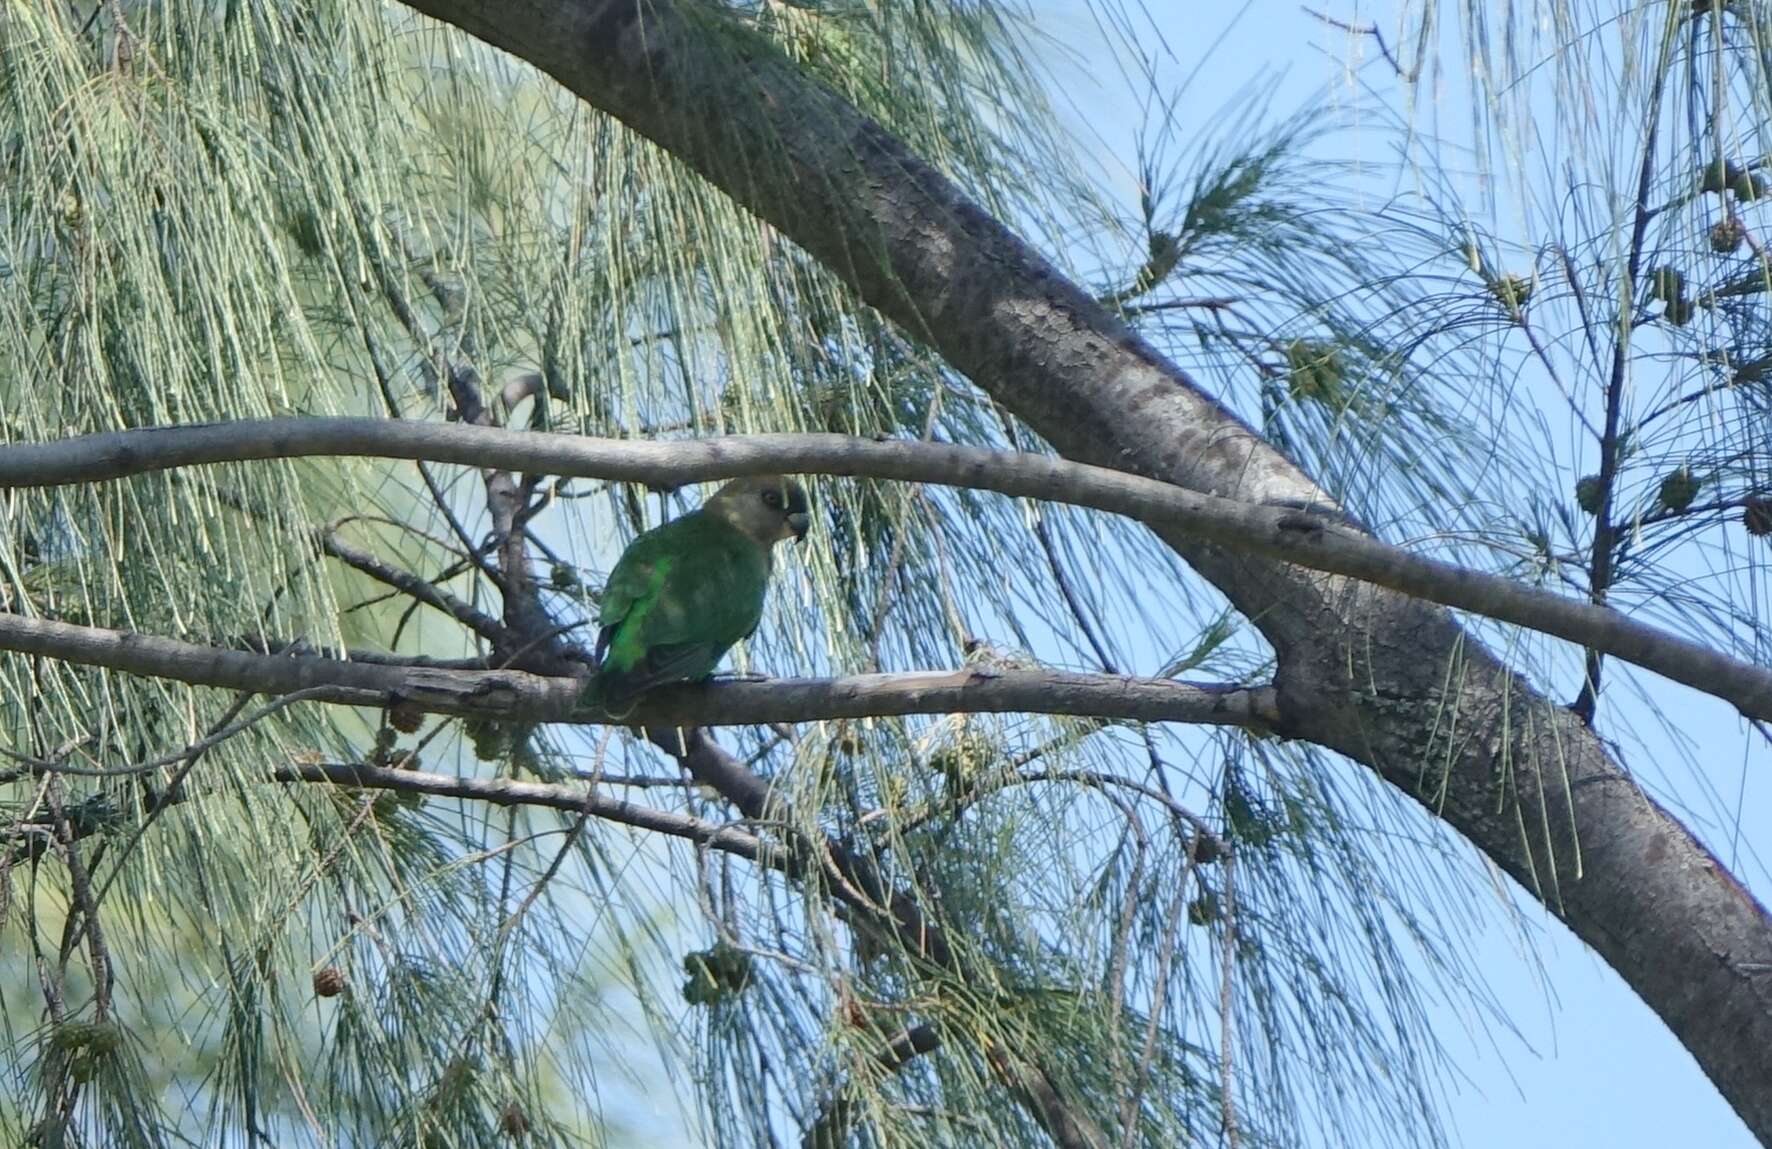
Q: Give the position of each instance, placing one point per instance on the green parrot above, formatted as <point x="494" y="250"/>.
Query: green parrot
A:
<point x="684" y="592"/>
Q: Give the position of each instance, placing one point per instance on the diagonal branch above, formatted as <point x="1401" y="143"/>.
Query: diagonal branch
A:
<point x="859" y="887"/>
<point x="411" y="585"/>
<point x="1303" y="537"/>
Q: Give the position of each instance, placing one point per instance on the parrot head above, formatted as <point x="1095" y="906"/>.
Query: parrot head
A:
<point x="767" y="508"/>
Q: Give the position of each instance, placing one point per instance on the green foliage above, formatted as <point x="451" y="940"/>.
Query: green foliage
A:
<point x="215" y="212"/>
<point x="716" y="974"/>
<point x="1667" y="221"/>
<point x="1589" y="492"/>
<point x="1512" y="291"/>
<point x="1315" y="372"/>
<point x="1302" y="308"/>
<point x="1679" y="488"/>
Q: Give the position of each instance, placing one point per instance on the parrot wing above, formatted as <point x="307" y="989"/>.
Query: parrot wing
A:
<point x="669" y="662"/>
<point x="677" y="600"/>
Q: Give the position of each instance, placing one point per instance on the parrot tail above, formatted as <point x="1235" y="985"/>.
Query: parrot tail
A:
<point x="612" y="692"/>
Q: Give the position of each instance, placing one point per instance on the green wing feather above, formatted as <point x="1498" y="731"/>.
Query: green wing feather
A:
<point x="677" y="600"/>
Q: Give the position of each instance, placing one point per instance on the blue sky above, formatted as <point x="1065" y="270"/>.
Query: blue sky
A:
<point x="1590" y="1064"/>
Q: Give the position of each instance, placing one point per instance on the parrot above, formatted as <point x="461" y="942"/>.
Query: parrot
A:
<point x="683" y="593"/>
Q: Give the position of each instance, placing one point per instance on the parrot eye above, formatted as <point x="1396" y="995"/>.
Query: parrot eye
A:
<point x="772" y="499"/>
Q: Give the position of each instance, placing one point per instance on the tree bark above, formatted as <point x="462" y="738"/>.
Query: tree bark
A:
<point x="1285" y="533"/>
<point x="1362" y="670"/>
<point x="512" y="695"/>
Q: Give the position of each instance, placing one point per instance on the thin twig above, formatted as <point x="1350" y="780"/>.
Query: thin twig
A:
<point x="1226" y="1002"/>
<point x="188" y="753"/>
<point x="413" y="587"/>
<point x="1600" y="577"/>
<point x="169" y="795"/>
<point x="81" y="883"/>
<point x="1408" y="76"/>
<point x="509" y="792"/>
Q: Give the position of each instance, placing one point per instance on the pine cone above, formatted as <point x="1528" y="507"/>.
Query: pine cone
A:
<point x="405" y="717"/>
<point x="1756" y="516"/>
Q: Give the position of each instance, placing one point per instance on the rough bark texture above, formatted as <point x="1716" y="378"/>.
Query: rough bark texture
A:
<point x="1361" y="670"/>
<point x="1285" y="533"/>
<point x="511" y="695"/>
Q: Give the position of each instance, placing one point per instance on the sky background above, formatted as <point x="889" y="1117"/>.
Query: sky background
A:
<point x="1590" y="1064"/>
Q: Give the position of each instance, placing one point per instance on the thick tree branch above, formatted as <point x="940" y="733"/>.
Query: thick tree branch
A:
<point x="1382" y="677"/>
<point x="1306" y="538"/>
<point x="517" y="696"/>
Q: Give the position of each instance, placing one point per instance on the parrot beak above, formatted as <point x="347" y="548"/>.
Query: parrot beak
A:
<point x="799" y="522"/>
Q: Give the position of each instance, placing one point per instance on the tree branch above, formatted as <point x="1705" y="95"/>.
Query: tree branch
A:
<point x="412" y="586"/>
<point x="866" y="897"/>
<point x="1365" y="672"/>
<point x="517" y="696"/>
<point x="858" y="885"/>
<point x="1303" y="537"/>
<point x="1601" y="574"/>
<point x="571" y="799"/>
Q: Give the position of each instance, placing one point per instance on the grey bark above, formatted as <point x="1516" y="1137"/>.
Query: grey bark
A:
<point x="1361" y="670"/>
<point x="1287" y="533"/>
<point x="520" y="697"/>
<point x="548" y="795"/>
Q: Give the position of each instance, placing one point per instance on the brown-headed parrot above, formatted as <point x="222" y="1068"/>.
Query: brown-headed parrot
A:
<point x="684" y="592"/>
